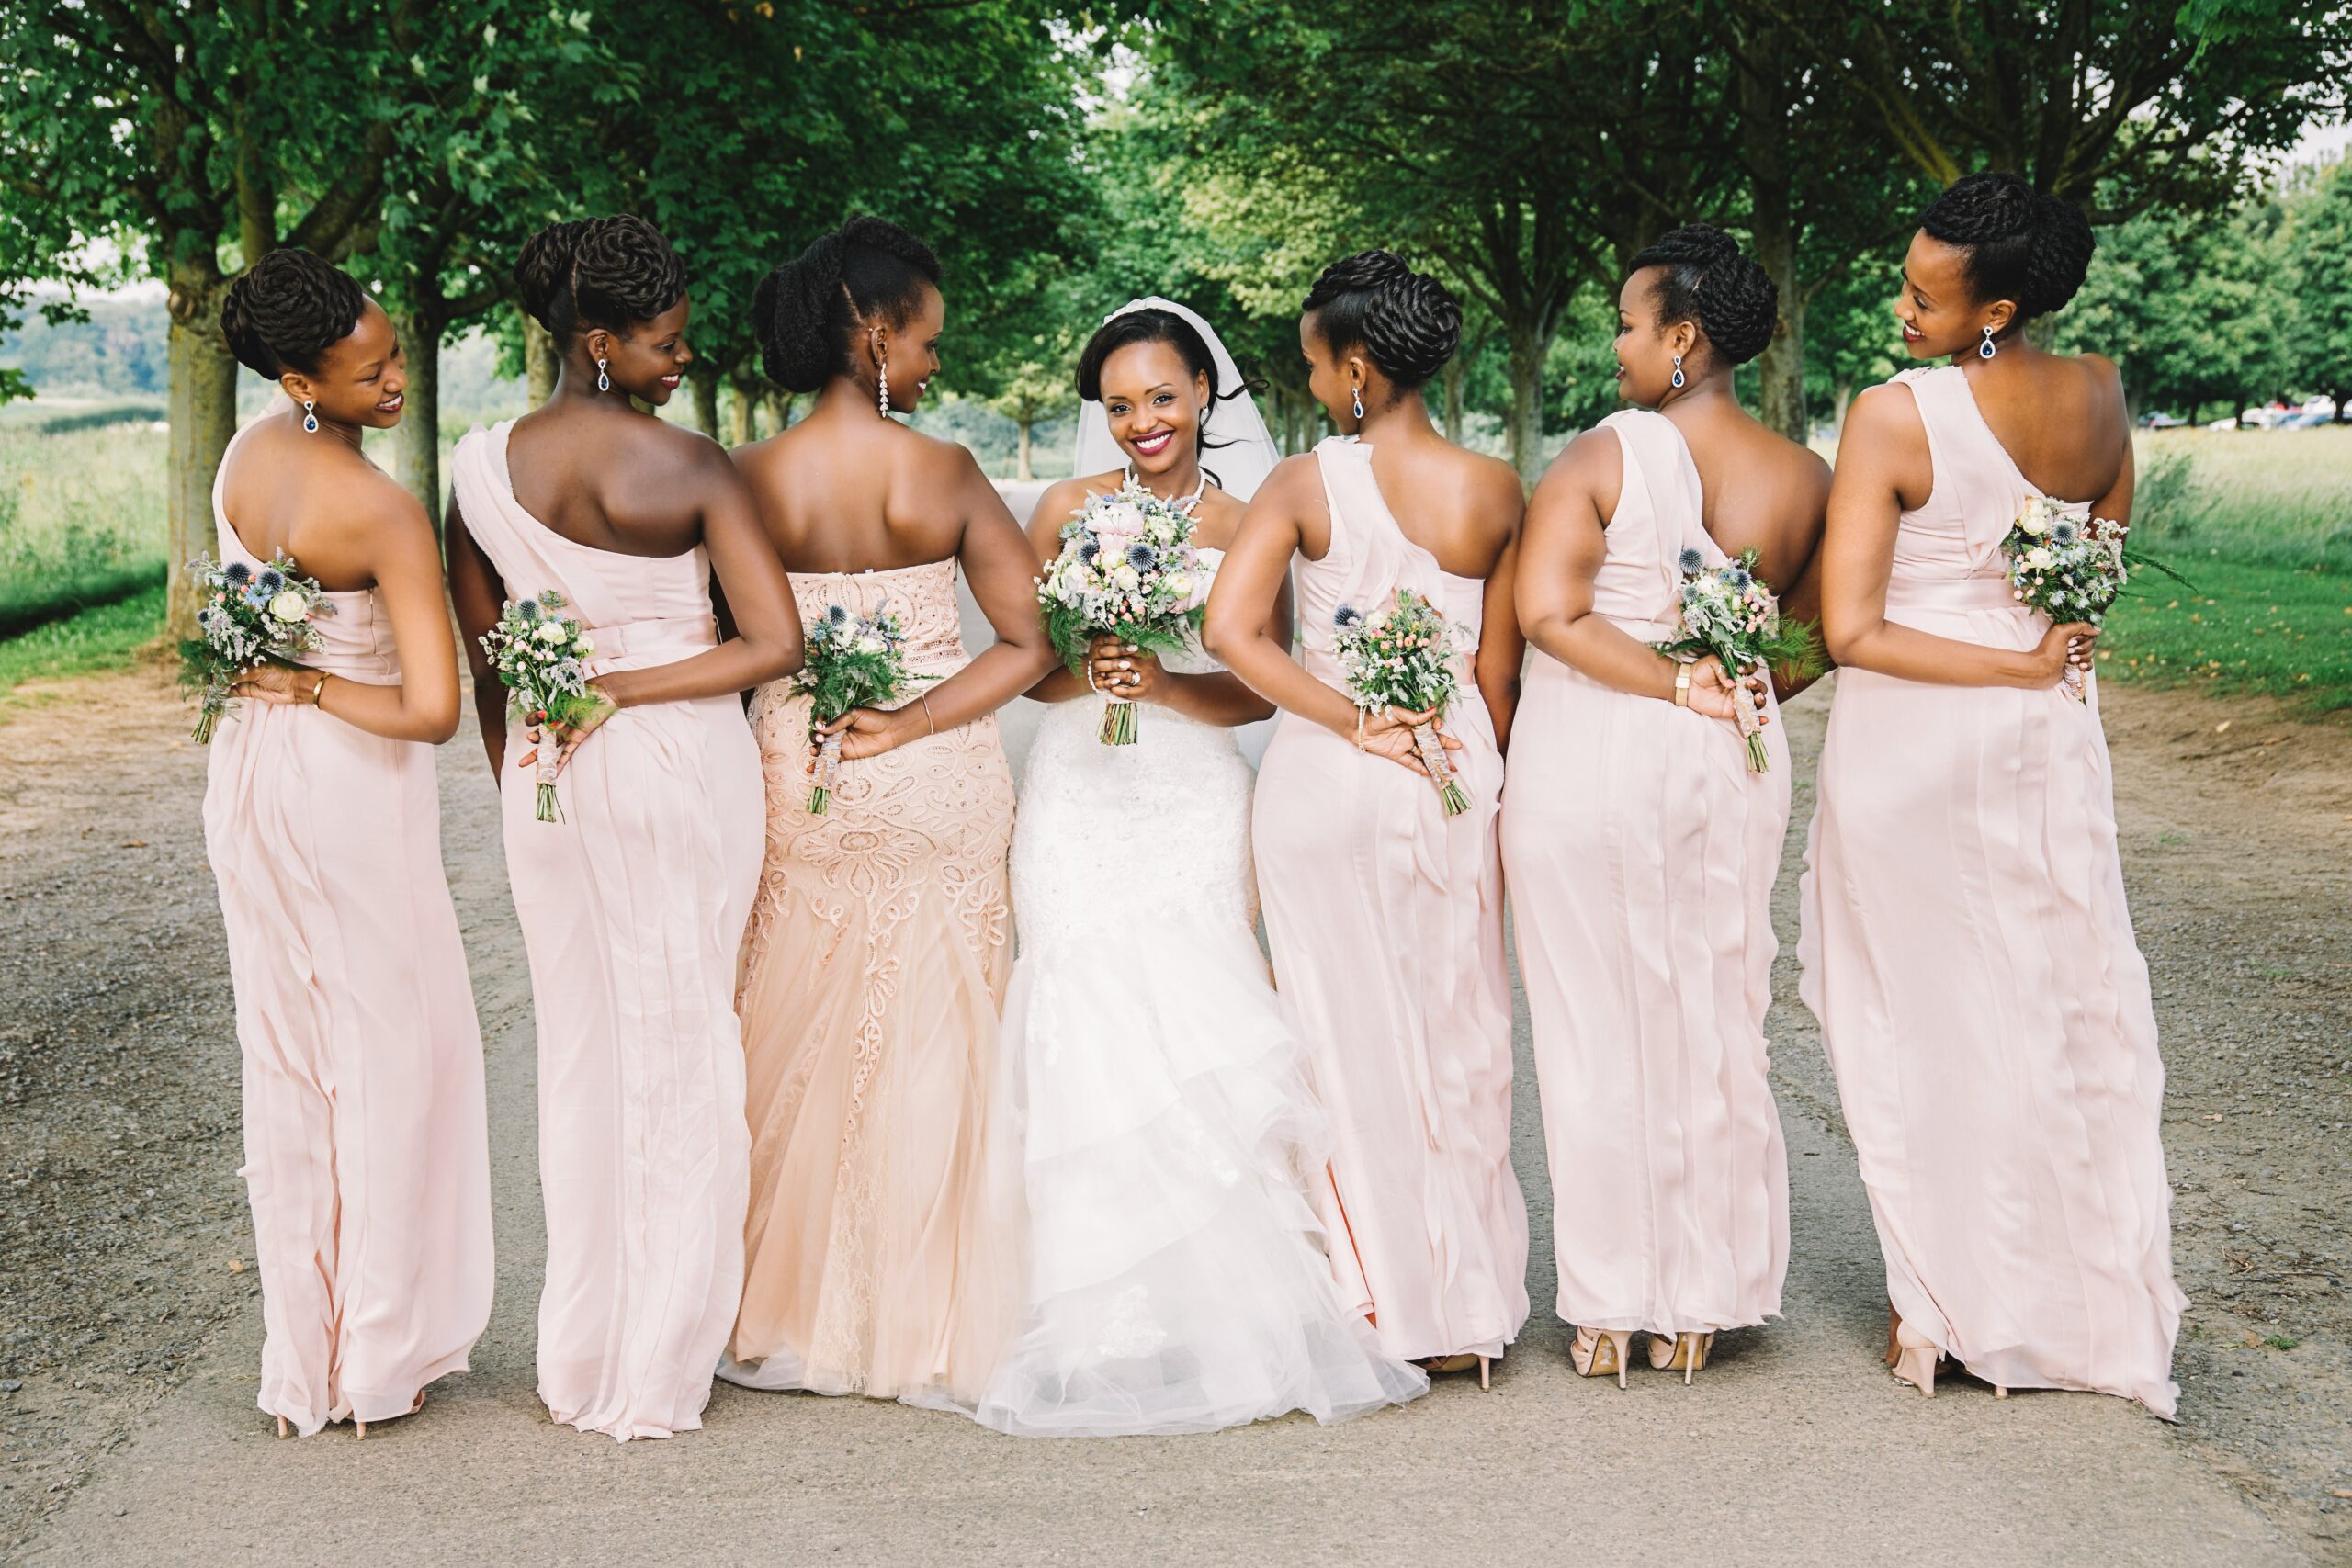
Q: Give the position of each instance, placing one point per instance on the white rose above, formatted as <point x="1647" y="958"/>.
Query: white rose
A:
<point x="551" y="632"/>
<point x="2039" y="559"/>
<point x="2035" y="524"/>
<point x="1125" y="578"/>
<point x="288" y="607"/>
<point x="584" y="647"/>
<point x="869" y="643"/>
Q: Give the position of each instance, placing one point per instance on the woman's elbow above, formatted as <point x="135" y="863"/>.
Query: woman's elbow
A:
<point x="1222" y="634"/>
<point x="1842" y="641"/>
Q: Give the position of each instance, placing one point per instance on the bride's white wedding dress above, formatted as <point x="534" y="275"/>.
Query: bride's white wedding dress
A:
<point x="1175" y="1278"/>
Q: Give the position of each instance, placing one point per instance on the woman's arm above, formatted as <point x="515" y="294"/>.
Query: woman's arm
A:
<point x="1002" y="571"/>
<point x="758" y="595"/>
<point x="479" y="594"/>
<point x="1054" y="508"/>
<point x="1884" y="443"/>
<point x="1250" y="584"/>
<point x="1502" y="646"/>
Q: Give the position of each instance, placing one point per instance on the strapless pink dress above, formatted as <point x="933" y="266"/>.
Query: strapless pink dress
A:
<point x="1969" y="953"/>
<point x="366" y="1154"/>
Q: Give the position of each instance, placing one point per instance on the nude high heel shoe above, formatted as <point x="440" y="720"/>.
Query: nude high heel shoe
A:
<point x="1461" y="1363"/>
<point x="1915" y="1359"/>
<point x="1601" y="1352"/>
<point x="1685" y="1353"/>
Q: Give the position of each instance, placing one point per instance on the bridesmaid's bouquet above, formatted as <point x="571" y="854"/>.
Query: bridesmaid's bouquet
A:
<point x="1403" y="658"/>
<point x="1126" y="569"/>
<point x="541" y="658"/>
<point x="247" y="619"/>
<point x="851" y="662"/>
<point x="1729" y="611"/>
<point x="2067" y="564"/>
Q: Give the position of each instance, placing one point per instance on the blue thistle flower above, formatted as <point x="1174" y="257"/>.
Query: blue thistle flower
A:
<point x="1691" y="561"/>
<point x="1741" y="577"/>
<point x="270" y="581"/>
<point x="527" y="611"/>
<point x="2063" y="533"/>
<point x="1142" y="556"/>
<point x="1347" y="615"/>
<point x="1088" y="551"/>
<point x="837" y="614"/>
<point x="236" y="574"/>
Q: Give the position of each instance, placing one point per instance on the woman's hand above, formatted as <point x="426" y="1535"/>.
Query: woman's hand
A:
<point x="869" y="732"/>
<point x="1122" y="670"/>
<point x="2067" y="644"/>
<point x="1715" y="695"/>
<point x="1389" y="733"/>
<point x="279" y="683"/>
<point x="566" y="737"/>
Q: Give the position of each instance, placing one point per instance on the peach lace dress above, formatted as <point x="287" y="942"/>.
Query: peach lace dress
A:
<point x="1969" y="953"/>
<point x="366" y="1154"/>
<point x="873" y="979"/>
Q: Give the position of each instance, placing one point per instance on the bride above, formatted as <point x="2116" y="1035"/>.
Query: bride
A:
<point x="1175" y="1279"/>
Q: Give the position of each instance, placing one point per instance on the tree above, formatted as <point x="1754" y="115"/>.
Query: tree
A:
<point x="2316" y="249"/>
<point x="2185" y="306"/>
<point x="198" y="137"/>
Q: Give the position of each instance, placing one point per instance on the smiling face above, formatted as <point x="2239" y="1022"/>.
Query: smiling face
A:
<point x="361" y="378"/>
<point x="1646" y="345"/>
<point x="1154" y="401"/>
<point x="647" y="359"/>
<point x="910" y="349"/>
<point x="1335" y="379"/>
<point x="1939" y="313"/>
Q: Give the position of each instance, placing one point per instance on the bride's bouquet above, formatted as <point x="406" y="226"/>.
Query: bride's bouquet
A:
<point x="1126" y="569"/>
<point x="247" y="619"/>
<point x="1729" y="611"/>
<point x="541" y="659"/>
<point x="1403" y="658"/>
<point x="849" y="661"/>
<point x="2067" y="564"/>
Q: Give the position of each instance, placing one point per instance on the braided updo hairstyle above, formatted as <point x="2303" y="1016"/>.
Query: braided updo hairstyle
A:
<point x="598" y="272"/>
<point x="287" y="309"/>
<point x="868" y="270"/>
<point x="1404" y="320"/>
<point x="2030" y="248"/>
<point x="1708" y="282"/>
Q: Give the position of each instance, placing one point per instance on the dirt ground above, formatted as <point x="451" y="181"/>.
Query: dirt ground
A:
<point x="125" y="1246"/>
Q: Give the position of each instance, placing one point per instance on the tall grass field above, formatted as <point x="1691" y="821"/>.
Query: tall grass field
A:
<point x="2259" y="522"/>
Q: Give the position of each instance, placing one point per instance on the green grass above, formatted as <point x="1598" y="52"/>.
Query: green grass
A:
<point x="109" y="638"/>
<point x="82" y="517"/>
<point x="2270" y="498"/>
<point x="2246" y="630"/>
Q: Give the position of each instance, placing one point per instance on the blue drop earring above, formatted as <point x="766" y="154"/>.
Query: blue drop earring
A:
<point x="1985" y="349"/>
<point x="1356" y="396"/>
<point x="604" y="382"/>
<point x="310" y="420"/>
<point x="1677" y="371"/>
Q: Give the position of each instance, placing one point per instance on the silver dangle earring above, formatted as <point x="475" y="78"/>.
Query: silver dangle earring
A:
<point x="1357" y="398"/>
<point x="882" y="386"/>
<point x="1985" y="349"/>
<point x="604" y="382"/>
<point x="1677" y="370"/>
<point x="310" y="420"/>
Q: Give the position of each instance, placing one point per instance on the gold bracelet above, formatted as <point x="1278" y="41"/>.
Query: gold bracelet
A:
<point x="1682" y="685"/>
<point x="930" y="717"/>
<point x="1359" y="730"/>
<point x="319" y="692"/>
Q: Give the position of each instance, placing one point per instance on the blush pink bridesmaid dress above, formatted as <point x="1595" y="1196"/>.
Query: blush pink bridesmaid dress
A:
<point x="1969" y="953"/>
<point x="1641" y="854"/>
<point x="632" y="911"/>
<point x="1386" y="918"/>
<point x="366" y="1155"/>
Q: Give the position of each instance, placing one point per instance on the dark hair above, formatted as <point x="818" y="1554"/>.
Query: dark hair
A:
<point x="598" y="272"/>
<point x="1707" y="281"/>
<point x="2022" y="246"/>
<point x="287" y="309"/>
<point x="1404" y="320"/>
<point x="869" y="269"/>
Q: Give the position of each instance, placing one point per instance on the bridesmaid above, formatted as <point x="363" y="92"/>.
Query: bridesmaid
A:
<point x="879" y="944"/>
<point x="1385" y="915"/>
<point x="1966" y="944"/>
<point x="1640" y="851"/>
<point x="632" y="906"/>
<point x="367" y="1157"/>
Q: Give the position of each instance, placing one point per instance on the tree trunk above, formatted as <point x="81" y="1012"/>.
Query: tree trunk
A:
<point x="779" y="407"/>
<point x="1456" y="372"/>
<point x="202" y="401"/>
<point x="416" y="440"/>
<point x="1844" y="396"/>
<point x="1020" y="470"/>
<point x="705" y="386"/>
<point x="2132" y="398"/>
<point x="539" y="361"/>
<point x="743" y="405"/>
<point x="1528" y="344"/>
<point x="1764" y="138"/>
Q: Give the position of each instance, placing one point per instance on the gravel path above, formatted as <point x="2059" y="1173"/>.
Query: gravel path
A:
<point x="128" y="1333"/>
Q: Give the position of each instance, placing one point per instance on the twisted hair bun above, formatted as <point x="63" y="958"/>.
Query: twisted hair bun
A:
<point x="284" y="311"/>
<point x="1407" y="321"/>
<point x="2021" y="245"/>
<point x="598" y="272"/>
<point x="867" y="271"/>
<point x="1708" y="281"/>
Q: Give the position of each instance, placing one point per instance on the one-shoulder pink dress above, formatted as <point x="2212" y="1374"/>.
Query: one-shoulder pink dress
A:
<point x="1641" y="854"/>
<point x="632" y="911"/>
<point x="366" y="1155"/>
<point x="1386" y="918"/>
<point x="1969" y="953"/>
